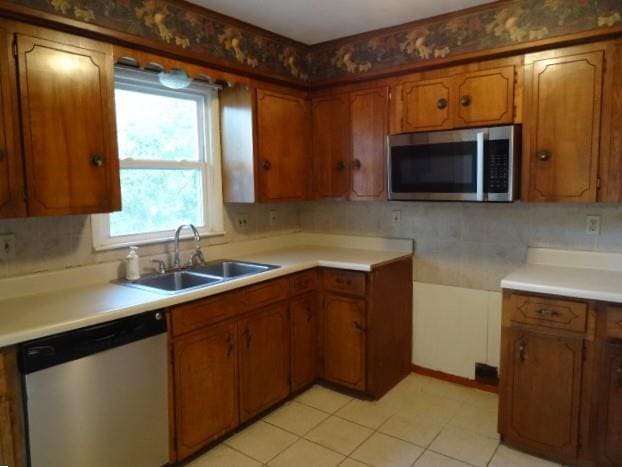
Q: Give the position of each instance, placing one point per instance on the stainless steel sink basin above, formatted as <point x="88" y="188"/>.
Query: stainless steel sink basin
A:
<point x="172" y="282"/>
<point x="231" y="269"/>
<point x="198" y="276"/>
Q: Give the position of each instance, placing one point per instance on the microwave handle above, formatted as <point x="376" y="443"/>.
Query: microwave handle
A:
<point x="480" y="165"/>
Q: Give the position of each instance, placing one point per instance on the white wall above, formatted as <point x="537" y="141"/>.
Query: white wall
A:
<point x="455" y="327"/>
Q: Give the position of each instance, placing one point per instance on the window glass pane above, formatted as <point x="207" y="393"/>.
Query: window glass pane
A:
<point x="158" y="199"/>
<point x="152" y="126"/>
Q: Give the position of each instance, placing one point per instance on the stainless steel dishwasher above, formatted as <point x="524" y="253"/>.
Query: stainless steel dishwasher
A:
<point x="98" y="396"/>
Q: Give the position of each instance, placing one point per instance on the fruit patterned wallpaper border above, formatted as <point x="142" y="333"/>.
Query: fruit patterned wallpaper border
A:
<point x="499" y="24"/>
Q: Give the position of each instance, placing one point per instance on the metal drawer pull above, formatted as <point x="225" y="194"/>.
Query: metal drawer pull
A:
<point x="522" y="347"/>
<point x="341" y="165"/>
<point x="465" y="101"/>
<point x="545" y="312"/>
<point x="543" y="156"/>
<point x="356" y="164"/>
<point x="266" y="165"/>
<point x="441" y="103"/>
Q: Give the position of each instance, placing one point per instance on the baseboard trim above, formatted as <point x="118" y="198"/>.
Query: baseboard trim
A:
<point x="454" y="379"/>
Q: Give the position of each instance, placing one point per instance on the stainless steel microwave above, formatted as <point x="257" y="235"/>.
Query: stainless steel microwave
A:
<point x="479" y="164"/>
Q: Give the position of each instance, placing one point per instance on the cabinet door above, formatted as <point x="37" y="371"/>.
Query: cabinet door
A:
<point x="541" y="390"/>
<point x="344" y="340"/>
<point x="609" y="431"/>
<point x="331" y="147"/>
<point x="283" y="145"/>
<point x="205" y="387"/>
<point x="562" y="120"/>
<point x="426" y="105"/>
<point x="304" y="340"/>
<point x="369" y="125"/>
<point x="68" y="123"/>
<point x="264" y="360"/>
<point x="485" y="97"/>
<point x="12" y="195"/>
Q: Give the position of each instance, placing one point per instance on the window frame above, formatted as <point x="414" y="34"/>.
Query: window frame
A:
<point x="209" y="163"/>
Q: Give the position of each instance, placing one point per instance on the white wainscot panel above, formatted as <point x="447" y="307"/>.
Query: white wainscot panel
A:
<point x="454" y="327"/>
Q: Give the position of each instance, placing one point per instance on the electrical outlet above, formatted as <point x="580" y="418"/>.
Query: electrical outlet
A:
<point x="396" y="218"/>
<point x="592" y="225"/>
<point x="241" y="221"/>
<point x="7" y="246"/>
<point x="272" y="217"/>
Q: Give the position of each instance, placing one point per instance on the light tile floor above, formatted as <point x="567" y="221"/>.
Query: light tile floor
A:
<point x="422" y="422"/>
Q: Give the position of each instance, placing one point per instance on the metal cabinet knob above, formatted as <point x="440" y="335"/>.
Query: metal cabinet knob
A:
<point x="465" y="101"/>
<point x="97" y="160"/>
<point x="441" y="103"/>
<point x="522" y="347"/>
<point x="543" y="156"/>
<point x="341" y="165"/>
<point x="356" y="164"/>
<point x="266" y="165"/>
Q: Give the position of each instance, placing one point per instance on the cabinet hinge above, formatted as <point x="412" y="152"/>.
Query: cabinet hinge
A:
<point x="14" y="47"/>
<point x="584" y="351"/>
<point x="390" y="96"/>
<point x="598" y="183"/>
<point x="25" y="194"/>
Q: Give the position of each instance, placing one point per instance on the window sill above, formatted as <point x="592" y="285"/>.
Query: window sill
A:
<point x="154" y="241"/>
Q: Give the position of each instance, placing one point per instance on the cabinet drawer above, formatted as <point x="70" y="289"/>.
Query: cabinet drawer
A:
<point x="303" y="282"/>
<point x="191" y="316"/>
<point x="264" y="293"/>
<point x="548" y="312"/>
<point x="344" y="281"/>
<point x="614" y="322"/>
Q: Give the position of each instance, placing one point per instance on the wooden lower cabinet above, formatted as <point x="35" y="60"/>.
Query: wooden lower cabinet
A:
<point x="609" y="428"/>
<point x="344" y="340"/>
<point x="541" y="392"/>
<point x="303" y="316"/>
<point x="264" y="359"/>
<point x="206" y="386"/>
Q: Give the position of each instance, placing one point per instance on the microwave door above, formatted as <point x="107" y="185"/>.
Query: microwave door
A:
<point x="436" y="170"/>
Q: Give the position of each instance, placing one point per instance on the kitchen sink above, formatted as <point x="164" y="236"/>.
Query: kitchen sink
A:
<point x="195" y="277"/>
<point x="172" y="282"/>
<point x="231" y="269"/>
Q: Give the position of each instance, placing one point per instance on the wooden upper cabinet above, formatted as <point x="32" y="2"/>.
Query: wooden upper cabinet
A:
<point x="68" y="121"/>
<point x="304" y="340"/>
<point x="369" y="111"/>
<point x="283" y="146"/>
<point x="205" y="387"/>
<point x="562" y="125"/>
<point x="344" y="335"/>
<point x="426" y="105"/>
<point x="485" y="97"/>
<point x="541" y="392"/>
<point x="264" y="360"/>
<point x="609" y="431"/>
<point x="331" y="148"/>
<point x="12" y="194"/>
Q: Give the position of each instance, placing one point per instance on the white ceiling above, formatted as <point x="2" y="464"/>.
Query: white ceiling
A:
<point x="313" y="21"/>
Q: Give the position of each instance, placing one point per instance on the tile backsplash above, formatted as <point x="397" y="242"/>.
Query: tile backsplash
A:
<point x="464" y="245"/>
<point x="468" y="244"/>
<point x="46" y="243"/>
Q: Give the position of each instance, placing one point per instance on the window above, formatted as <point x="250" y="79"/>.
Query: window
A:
<point x="169" y="156"/>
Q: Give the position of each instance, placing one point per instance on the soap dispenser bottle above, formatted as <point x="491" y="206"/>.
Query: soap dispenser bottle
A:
<point x="132" y="264"/>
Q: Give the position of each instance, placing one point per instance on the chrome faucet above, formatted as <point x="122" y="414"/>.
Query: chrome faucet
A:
<point x="197" y="249"/>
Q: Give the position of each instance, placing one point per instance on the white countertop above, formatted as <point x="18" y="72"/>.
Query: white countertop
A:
<point x="28" y="317"/>
<point x="575" y="274"/>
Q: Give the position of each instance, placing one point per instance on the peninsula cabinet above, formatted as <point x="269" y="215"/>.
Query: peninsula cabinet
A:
<point x="478" y="98"/>
<point x="561" y="378"/>
<point x="349" y="144"/>
<point x="64" y="85"/>
<point x="235" y="355"/>
<point x="266" y="145"/>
